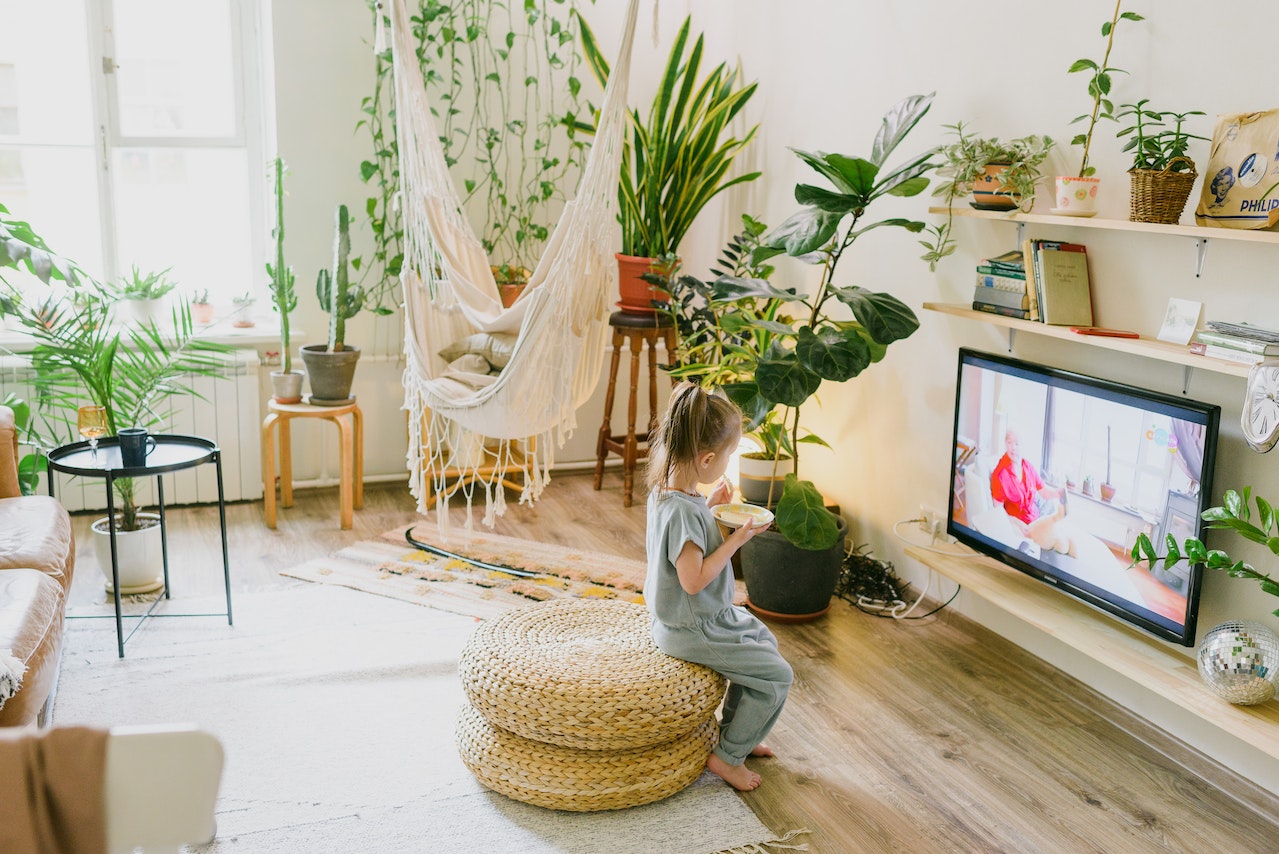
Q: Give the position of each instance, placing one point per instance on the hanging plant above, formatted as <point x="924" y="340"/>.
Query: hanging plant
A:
<point x="505" y="92"/>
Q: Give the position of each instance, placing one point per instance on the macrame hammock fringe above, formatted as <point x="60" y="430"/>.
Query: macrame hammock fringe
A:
<point x="464" y="438"/>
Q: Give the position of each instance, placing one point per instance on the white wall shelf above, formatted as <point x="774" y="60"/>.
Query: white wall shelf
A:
<point x="1147" y="661"/>
<point x="1151" y="348"/>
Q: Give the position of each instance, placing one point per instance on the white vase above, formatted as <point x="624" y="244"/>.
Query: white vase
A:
<point x="140" y="557"/>
<point x="758" y="474"/>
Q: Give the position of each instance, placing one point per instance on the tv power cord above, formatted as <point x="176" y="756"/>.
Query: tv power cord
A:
<point x="872" y="587"/>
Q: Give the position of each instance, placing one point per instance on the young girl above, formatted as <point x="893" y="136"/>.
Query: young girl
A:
<point x="689" y="586"/>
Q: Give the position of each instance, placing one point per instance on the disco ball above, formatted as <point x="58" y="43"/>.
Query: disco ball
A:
<point x="1239" y="661"/>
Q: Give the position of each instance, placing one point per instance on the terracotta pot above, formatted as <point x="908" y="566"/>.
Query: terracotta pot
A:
<point x="991" y="194"/>
<point x="510" y="293"/>
<point x="1107" y="492"/>
<point x="202" y="313"/>
<point x="637" y="295"/>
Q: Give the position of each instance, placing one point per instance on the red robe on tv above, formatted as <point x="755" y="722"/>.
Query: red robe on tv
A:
<point x="1018" y="496"/>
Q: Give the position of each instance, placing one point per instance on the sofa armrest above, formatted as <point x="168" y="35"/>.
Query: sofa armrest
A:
<point x="9" y="487"/>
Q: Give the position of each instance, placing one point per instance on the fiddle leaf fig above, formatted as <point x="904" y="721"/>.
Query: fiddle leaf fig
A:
<point x="885" y="317"/>
<point x="805" y="231"/>
<point x="832" y="353"/>
<point x="802" y="515"/>
<point x="783" y="379"/>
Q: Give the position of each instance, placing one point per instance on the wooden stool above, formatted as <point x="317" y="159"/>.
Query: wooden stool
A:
<point x="351" y="433"/>
<point x="639" y="329"/>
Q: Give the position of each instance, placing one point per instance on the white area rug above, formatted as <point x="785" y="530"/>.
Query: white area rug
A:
<point x="336" y="710"/>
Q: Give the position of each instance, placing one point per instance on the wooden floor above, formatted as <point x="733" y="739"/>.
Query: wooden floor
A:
<point x="926" y="736"/>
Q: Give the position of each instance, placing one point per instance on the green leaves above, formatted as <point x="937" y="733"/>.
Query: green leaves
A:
<point x="802" y="516"/>
<point x="886" y="318"/>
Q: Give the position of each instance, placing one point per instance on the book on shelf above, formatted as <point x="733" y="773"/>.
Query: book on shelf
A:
<point x="1006" y="311"/>
<point x="1226" y="354"/>
<point x="1011" y="260"/>
<point x="1234" y="342"/>
<point x="996" y="296"/>
<point x="1061" y="280"/>
<point x="1003" y="283"/>
<point x="1032" y="286"/>
<point x="1244" y="330"/>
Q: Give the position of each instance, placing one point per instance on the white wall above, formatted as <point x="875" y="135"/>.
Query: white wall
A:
<point x="828" y="70"/>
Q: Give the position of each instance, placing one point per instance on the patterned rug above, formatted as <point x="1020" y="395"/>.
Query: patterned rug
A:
<point x="390" y="566"/>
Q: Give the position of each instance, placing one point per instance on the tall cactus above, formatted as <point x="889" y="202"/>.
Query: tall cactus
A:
<point x="337" y="295"/>
<point x="283" y="299"/>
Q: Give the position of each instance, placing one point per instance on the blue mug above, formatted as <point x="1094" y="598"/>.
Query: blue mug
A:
<point x="135" y="445"/>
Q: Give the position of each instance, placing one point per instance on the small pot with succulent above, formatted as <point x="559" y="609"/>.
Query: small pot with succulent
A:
<point x="998" y="175"/>
<point x="286" y="383"/>
<point x="141" y="295"/>
<point x="242" y="310"/>
<point x="511" y="280"/>
<point x="1162" y="171"/>
<point x="201" y="308"/>
<point x="1077" y="194"/>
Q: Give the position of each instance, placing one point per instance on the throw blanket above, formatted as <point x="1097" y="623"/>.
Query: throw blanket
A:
<point x="51" y="797"/>
<point x="11" y="671"/>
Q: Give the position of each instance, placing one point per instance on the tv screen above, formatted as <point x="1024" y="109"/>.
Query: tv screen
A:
<point x="1057" y="473"/>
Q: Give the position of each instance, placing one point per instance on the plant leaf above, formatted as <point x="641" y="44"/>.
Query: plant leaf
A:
<point x="802" y="516"/>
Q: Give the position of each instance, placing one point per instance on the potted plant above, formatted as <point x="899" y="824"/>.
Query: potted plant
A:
<point x="793" y="568"/>
<point x="674" y="162"/>
<point x="511" y="281"/>
<point x="999" y="175"/>
<point x="1234" y="514"/>
<point x="242" y="310"/>
<point x="286" y="383"/>
<point x="201" y="308"/>
<point x="129" y="371"/>
<point x="1077" y="194"/>
<point x="331" y="366"/>
<point x="1162" y="173"/>
<point x="142" y="294"/>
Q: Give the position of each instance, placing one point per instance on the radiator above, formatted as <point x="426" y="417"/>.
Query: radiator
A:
<point x="227" y="411"/>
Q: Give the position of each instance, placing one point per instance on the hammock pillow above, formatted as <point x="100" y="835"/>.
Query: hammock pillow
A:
<point x="495" y="347"/>
<point x="472" y="363"/>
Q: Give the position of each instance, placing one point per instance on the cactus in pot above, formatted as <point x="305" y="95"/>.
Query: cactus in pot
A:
<point x="331" y="366"/>
<point x="286" y="384"/>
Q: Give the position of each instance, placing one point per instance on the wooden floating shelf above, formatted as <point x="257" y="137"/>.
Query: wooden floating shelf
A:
<point x="1154" y="664"/>
<point x="1193" y="231"/>
<point x="1151" y="348"/>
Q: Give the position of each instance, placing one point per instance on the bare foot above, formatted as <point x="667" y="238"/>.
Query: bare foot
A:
<point x="739" y="777"/>
<point x="762" y="749"/>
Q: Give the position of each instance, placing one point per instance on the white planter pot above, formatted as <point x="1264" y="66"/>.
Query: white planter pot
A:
<point x="141" y="559"/>
<point x="756" y="475"/>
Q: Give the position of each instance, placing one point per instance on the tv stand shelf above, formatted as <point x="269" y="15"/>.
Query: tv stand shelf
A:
<point x="1146" y="660"/>
<point x="1151" y="348"/>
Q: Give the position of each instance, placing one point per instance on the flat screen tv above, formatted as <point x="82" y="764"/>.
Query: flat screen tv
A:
<point x="1056" y="474"/>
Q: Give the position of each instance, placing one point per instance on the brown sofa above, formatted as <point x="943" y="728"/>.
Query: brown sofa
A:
<point x="37" y="558"/>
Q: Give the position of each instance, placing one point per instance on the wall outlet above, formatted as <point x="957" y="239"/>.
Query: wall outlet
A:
<point x="930" y="520"/>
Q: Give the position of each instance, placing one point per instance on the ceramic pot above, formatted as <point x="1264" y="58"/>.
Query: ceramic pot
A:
<point x="287" y="387"/>
<point x="510" y="293"/>
<point x="637" y="295"/>
<point x="787" y="583"/>
<point x="331" y="374"/>
<point x="202" y="313"/>
<point x="756" y="475"/>
<point x="992" y="194"/>
<point x="1076" y="196"/>
<point x="139" y="557"/>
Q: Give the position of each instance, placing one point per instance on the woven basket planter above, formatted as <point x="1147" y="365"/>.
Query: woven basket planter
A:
<point x="584" y="674"/>
<point x="561" y="778"/>
<point x="1160" y="195"/>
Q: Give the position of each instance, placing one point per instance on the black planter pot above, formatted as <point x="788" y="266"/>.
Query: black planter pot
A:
<point x="330" y="374"/>
<point x="787" y="583"/>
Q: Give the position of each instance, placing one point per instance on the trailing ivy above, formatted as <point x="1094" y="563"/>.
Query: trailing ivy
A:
<point x="505" y="92"/>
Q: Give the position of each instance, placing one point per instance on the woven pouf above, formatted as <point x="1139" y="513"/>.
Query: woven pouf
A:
<point x="564" y="778"/>
<point x="584" y="674"/>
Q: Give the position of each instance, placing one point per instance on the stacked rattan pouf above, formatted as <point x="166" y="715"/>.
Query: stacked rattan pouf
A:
<point x="572" y="707"/>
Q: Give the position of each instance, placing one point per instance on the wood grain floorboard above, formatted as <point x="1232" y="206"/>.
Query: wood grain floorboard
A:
<point x="927" y="736"/>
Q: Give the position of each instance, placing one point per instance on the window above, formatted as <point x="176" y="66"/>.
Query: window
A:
<point x="144" y="146"/>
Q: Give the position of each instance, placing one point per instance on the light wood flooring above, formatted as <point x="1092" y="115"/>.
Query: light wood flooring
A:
<point x="928" y="736"/>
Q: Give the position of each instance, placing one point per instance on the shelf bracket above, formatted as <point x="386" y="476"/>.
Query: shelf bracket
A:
<point x="1201" y="253"/>
<point x="1021" y="233"/>
<point x="1012" y="334"/>
<point x="1186" y="373"/>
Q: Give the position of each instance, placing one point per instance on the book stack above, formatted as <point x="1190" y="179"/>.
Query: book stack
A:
<point x="1001" y="286"/>
<point x="1236" y="342"/>
<point x="1057" y="282"/>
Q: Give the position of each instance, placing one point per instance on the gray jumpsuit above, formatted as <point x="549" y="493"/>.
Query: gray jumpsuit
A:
<point x="708" y="629"/>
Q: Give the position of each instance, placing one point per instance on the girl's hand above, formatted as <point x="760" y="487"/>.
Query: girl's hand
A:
<point x="721" y="494"/>
<point x="746" y="532"/>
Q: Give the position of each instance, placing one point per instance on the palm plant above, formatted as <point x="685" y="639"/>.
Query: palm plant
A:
<point x="78" y="354"/>
<point x="676" y="160"/>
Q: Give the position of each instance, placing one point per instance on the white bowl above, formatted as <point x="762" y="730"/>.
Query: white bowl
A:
<point x="736" y="515"/>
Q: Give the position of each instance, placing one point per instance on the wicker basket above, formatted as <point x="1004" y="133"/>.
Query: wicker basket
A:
<point x="1160" y="195"/>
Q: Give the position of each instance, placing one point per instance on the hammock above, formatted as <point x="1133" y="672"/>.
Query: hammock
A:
<point x="462" y="436"/>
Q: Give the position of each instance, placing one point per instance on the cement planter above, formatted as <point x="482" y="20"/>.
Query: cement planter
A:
<point x="331" y="374"/>
<point x="787" y="583"/>
<point x="139" y="557"/>
<point x="287" y="387"/>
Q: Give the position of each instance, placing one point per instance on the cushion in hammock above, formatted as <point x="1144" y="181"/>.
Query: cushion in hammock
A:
<point x="470" y="363"/>
<point x="495" y="347"/>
